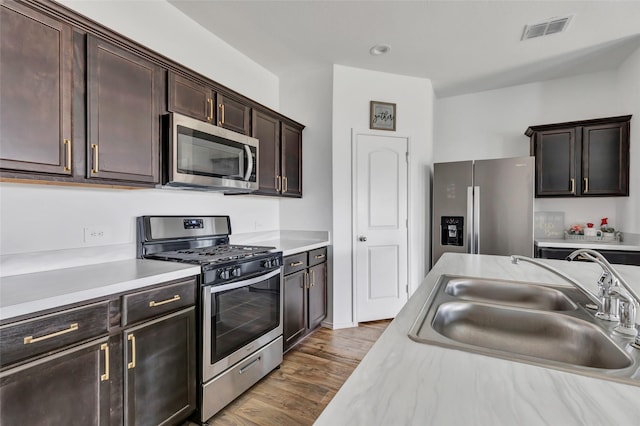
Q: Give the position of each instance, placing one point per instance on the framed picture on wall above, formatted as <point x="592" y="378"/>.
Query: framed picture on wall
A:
<point x="382" y="116"/>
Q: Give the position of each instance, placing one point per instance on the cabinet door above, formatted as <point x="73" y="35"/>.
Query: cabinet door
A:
<point x="123" y="114"/>
<point x="556" y="162"/>
<point x="317" y="299"/>
<point x="190" y="98"/>
<point x="160" y="377"/>
<point x="291" y="161"/>
<point x="605" y="159"/>
<point x="266" y="129"/>
<point x="35" y="91"/>
<point x="293" y="311"/>
<point x="67" y="388"/>
<point x="233" y="115"/>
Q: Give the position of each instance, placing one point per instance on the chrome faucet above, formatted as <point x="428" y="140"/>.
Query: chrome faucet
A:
<point x="592" y="297"/>
<point x="618" y="300"/>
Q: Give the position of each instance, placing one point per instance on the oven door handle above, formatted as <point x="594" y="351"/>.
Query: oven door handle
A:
<point x="244" y="283"/>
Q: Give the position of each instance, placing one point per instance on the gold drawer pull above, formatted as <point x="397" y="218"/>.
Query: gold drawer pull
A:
<point x="31" y="339"/>
<point x="319" y="256"/>
<point x="164" y="302"/>
<point x="221" y="122"/>
<point x="298" y="263"/>
<point x="586" y="185"/>
<point x="278" y="183"/>
<point x="132" y="339"/>
<point x="285" y="184"/>
<point x="104" y="377"/>
<point x="573" y="185"/>
<point x="94" y="150"/>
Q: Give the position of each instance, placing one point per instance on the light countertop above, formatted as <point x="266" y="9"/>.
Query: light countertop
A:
<point x="630" y="242"/>
<point x="290" y="242"/>
<point x="29" y="293"/>
<point x="402" y="382"/>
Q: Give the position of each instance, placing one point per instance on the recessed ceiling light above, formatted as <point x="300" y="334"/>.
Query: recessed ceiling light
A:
<point x="379" y="49"/>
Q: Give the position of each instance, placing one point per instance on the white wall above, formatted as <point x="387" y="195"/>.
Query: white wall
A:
<point x="353" y="88"/>
<point x="628" y="211"/>
<point x="51" y="218"/>
<point x="161" y="27"/>
<point x="491" y="124"/>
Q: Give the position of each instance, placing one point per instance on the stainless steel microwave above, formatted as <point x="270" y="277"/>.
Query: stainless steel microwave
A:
<point x="207" y="157"/>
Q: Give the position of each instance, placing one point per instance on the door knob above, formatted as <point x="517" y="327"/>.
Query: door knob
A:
<point x="363" y="239"/>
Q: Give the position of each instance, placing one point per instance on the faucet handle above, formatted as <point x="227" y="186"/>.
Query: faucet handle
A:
<point x="627" y="323"/>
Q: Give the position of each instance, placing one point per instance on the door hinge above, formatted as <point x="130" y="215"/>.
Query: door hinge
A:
<point x="407" y="156"/>
<point x="407" y="288"/>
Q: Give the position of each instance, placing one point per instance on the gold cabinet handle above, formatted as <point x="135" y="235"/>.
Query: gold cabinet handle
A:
<point x="221" y="106"/>
<point x="298" y="263"/>
<point x="30" y="339"/>
<point x="573" y="186"/>
<point x="132" y="339"/>
<point x="164" y="302"/>
<point x="285" y="184"/>
<point x="210" y="113"/>
<point x="313" y="278"/>
<point x="586" y="184"/>
<point x="278" y="183"/>
<point x="105" y="347"/>
<point x="319" y="256"/>
<point x="67" y="150"/>
<point x="94" y="151"/>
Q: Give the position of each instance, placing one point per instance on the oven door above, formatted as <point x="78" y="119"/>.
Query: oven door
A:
<point x="238" y="319"/>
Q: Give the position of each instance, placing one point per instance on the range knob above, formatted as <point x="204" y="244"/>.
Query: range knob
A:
<point x="225" y="274"/>
<point x="275" y="262"/>
<point x="267" y="263"/>
<point x="236" y="271"/>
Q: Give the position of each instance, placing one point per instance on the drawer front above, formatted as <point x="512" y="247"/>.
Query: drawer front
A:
<point x="26" y="339"/>
<point x="157" y="301"/>
<point x="317" y="256"/>
<point x="295" y="263"/>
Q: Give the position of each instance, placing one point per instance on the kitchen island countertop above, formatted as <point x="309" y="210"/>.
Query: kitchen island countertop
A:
<point x="402" y="382"/>
<point x="29" y="293"/>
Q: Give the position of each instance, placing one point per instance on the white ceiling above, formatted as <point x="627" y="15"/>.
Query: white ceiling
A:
<point x="462" y="46"/>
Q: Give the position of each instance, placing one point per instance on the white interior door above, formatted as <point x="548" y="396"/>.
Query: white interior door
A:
<point x="380" y="240"/>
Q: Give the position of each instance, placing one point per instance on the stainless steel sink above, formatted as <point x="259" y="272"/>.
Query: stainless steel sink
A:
<point x="539" y="324"/>
<point x="523" y="295"/>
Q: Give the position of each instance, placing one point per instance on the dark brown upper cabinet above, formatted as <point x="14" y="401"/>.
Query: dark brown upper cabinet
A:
<point x="190" y="98"/>
<point x="266" y="128"/>
<point x="202" y="102"/>
<point x="233" y="115"/>
<point x="582" y="158"/>
<point x="291" y="161"/>
<point x="280" y="152"/>
<point x="123" y="114"/>
<point x="36" y="57"/>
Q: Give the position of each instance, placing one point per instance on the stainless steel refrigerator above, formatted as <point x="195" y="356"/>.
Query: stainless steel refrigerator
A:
<point x="483" y="206"/>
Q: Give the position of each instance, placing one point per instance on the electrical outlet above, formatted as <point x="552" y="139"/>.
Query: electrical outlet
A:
<point x="94" y="235"/>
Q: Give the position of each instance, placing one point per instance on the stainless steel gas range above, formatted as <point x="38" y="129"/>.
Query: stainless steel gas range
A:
<point x="240" y="335"/>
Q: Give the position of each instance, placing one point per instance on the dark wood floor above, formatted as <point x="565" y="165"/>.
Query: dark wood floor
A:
<point x="309" y="377"/>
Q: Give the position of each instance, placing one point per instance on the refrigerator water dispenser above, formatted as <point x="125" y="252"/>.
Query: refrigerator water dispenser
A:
<point x="452" y="230"/>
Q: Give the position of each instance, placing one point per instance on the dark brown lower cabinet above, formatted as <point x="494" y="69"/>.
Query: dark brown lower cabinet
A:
<point x="317" y="295"/>
<point x="160" y="378"/>
<point x="621" y="257"/>
<point x="67" y="388"/>
<point x="294" y="297"/>
<point x="305" y="294"/>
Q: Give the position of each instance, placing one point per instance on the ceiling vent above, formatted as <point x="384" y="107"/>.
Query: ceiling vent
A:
<point x="546" y="27"/>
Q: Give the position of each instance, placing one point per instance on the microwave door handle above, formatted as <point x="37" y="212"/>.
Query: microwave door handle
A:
<point x="250" y="165"/>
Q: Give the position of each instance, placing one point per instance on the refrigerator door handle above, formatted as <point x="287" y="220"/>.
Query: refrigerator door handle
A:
<point x="470" y="211"/>
<point x="476" y="219"/>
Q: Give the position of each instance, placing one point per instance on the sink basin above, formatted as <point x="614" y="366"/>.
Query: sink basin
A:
<point x="546" y="325"/>
<point x="511" y="293"/>
<point x="529" y="333"/>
